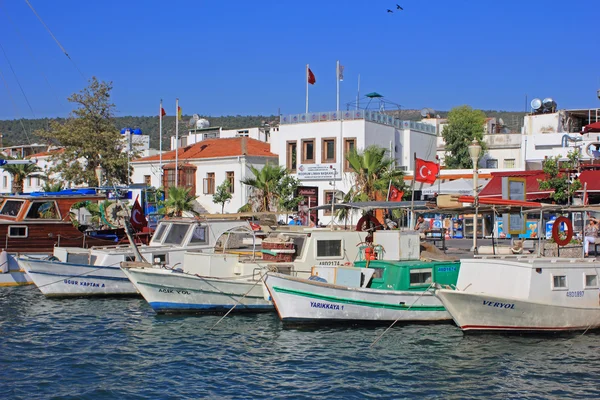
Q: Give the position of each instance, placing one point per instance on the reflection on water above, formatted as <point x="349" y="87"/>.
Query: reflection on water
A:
<point x="118" y="348"/>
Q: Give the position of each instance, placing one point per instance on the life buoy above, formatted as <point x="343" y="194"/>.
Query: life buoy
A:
<point x="375" y="224"/>
<point x="555" y="231"/>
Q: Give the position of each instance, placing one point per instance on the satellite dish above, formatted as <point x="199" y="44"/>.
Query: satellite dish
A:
<point x="424" y="112"/>
<point x="549" y="103"/>
<point x="339" y="196"/>
<point x="500" y="122"/>
<point x="536" y="104"/>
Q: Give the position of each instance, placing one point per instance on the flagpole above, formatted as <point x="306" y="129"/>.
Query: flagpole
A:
<point x="176" y="142"/>
<point x="160" y="113"/>
<point x="438" y="175"/>
<point x="412" y="194"/>
<point x="358" y="93"/>
<point x="337" y="73"/>
<point x="306" y="88"/>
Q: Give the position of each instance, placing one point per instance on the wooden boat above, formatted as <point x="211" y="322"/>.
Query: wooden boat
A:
<point x="34" y="223"/>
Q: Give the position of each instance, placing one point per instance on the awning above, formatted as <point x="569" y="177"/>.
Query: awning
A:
<point x="592" y="178"/>
<point x="595" y="127"/>
<point x="532" y="187"/>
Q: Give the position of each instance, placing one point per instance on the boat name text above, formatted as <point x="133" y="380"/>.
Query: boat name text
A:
<point x="499" y="305"/>
<point x="447" y="269"/>
<point x="327" y="306"/>
<point x="575" y="293"/>
<point x="330" y="263"/>
<point x="173" y="291"/>
<point x="81" y="283"/>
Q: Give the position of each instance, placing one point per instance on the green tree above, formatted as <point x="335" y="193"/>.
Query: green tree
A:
<point x="89" y="138"/>
<point x="557" y="177"/>
<point x="222" y="194"/>
<point x="179" y="199"/>
<point x="51" y="185"/>
<point x="372" y="173"/>
<point x="464" y="125"/>
<point x="287" y="190"/>
<point x="270" y="188"/>
<point x="19" y="172"/>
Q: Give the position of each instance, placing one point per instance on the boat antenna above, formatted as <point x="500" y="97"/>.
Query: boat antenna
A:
<point x="55" y="39"/>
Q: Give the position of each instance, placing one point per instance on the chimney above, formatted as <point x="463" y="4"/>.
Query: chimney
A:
<point x="244" y="146"/>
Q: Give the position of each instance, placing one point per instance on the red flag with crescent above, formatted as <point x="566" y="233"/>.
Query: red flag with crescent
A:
<point x="311" y="77"/>
<point x="138" y="221"/>
<point x="395" y="194"/>
<point x="426" y="171"/>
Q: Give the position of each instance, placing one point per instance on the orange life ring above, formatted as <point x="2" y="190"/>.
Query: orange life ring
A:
<point x="367" y="217"/>
<point x="556" y="227"/>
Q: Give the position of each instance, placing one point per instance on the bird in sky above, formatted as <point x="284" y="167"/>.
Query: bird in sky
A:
<point x="398" y="7"/>
<point x="390" y="11"/>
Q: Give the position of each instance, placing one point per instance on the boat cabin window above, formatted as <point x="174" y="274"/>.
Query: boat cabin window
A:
<point x="17" y="231"/>
<point x="159" y="258"/>
<point x="329" y="248"/>
<point x="11" y="208"/>
<point x="199" y="234"/>
<point x="160" y="231"/>
<point x="591" y="281"/>
<point x="420" y="276"/>
<point x="299" y="241"/>
<point x="43" y="210"/>
<point x="129" y="258"/>
<point x="176" y="234"/>
<point x="559" y="282"/>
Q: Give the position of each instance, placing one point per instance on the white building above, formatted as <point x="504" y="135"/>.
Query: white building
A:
<point x="313" y="147"/>
<point x="205" y="165"/>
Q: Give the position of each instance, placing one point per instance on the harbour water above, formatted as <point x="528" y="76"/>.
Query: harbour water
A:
<point x="119" y="348"/>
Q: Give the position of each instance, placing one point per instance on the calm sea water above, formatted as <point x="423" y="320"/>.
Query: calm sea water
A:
<point x="118" y="348"/>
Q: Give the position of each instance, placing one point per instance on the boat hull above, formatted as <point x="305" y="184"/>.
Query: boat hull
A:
<point x="302" y="300"/>
<point x="169" y="291"/>
<point x="481" y="312"/>
<point x="58" y="279"/>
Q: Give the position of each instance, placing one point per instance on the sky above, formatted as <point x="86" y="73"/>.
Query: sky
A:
<point x="249" y="57"/>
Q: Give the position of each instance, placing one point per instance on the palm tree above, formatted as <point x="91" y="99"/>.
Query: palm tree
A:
<point x="265" y="185"/>
<point x="178" y="200"/>
<point x="373" y="173"/>
<point x="19" y="172"/>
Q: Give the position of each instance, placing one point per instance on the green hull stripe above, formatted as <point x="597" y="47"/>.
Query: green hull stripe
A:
<point x="372" y="304"/>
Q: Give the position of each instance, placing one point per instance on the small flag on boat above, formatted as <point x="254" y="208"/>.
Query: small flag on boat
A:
<point x="138" y="221"/>
<point x="395" y="194"/>
<point x="255" y="227"/>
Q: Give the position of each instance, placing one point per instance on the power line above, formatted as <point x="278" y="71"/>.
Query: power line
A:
<point x="17" y="79"/>
<point x="15" y="106"/>
<point x="55" y="39"/>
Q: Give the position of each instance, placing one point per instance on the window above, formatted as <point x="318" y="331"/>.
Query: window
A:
<point x="158" y="234"/>
<point x="291" y="156"/>
<point x="491" y="163"/>
<point x="199" y="235"/>
<point x="37" y="181"/>
<point x="328" y="150"/>
<point x="231" y="178"/>
<point x="169" y="178"/>
<point x="11" y="208"/>
<point x="329" y="248"/>
<point x="176" y="234"/>
<point x="327" y="196"/>
<point x="591" y="281"/>
<point x="159" y="258"/>
<point x="17" y="231"/>
<point x="509" y="163"/>
<point x="349" y="146"/>
<point x="43" y="210"/>
<point x="209" y="183"/>
<point x="186" y="177"/>
<point x="29" y="181"/>
<point x="148" y="180"/>
<point x="242" y="133"/>
<point x="559" y="282"/>
<point x="308" y="151"/>
<point x="420" y="276"/>
<point x="5" y="181"/>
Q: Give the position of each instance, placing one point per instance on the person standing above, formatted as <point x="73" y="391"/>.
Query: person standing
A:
<point x="590" y="234"/>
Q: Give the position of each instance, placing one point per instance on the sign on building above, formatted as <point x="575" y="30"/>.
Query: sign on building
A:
<point x="317" y="171"/>
<point x="515" y="189"/>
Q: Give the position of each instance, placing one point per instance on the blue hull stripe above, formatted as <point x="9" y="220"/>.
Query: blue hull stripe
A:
<point x="71" y="264"/>
<point x="81" y="276"/>
<point x="166" y="306"/>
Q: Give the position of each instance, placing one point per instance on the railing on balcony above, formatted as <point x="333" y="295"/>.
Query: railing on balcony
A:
<point x="373" y="116"/>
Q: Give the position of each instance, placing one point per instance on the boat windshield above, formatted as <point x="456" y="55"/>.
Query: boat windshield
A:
<point x="199" y="234"/>
<point x="176" y="234"/>
<point x="11" y="208"/>
<point x="43" y="210"/>
<point x="160" y="231"/>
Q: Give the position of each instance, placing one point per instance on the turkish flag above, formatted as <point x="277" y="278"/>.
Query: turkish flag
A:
<point x="162" y="112"/>
<point x="137" y="220"/>
<point x="395" y="194"/>
<point x="426" y="171"/>
<point x="311" y="77"/>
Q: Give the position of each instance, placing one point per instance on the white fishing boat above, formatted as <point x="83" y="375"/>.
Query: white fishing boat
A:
<point x="96" y="271"/>
<point x="525" y="294"/>
<point x="218" y="282"/>
<point x="394" y="287"/>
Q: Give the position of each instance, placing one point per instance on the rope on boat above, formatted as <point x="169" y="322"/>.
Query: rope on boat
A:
<point x="397" y="319"/>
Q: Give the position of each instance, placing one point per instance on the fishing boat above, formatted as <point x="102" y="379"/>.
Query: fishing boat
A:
<point x="36" y="222"/>
<point x="525" y="294"/>
<point x="394" y="287"/>
<point x="216" y="283"/>
<point x="95" y="271"/>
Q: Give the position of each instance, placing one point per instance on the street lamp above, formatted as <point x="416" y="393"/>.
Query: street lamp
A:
<point x="99" y="174"/>
<point x="474" y="151"/>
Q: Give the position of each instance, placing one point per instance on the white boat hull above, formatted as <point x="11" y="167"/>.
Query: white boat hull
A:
<point x="169" y="291"/>
<point x="302" y="300"/>
<point x="481" y="312"/>
<point x="58" y="279"/>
